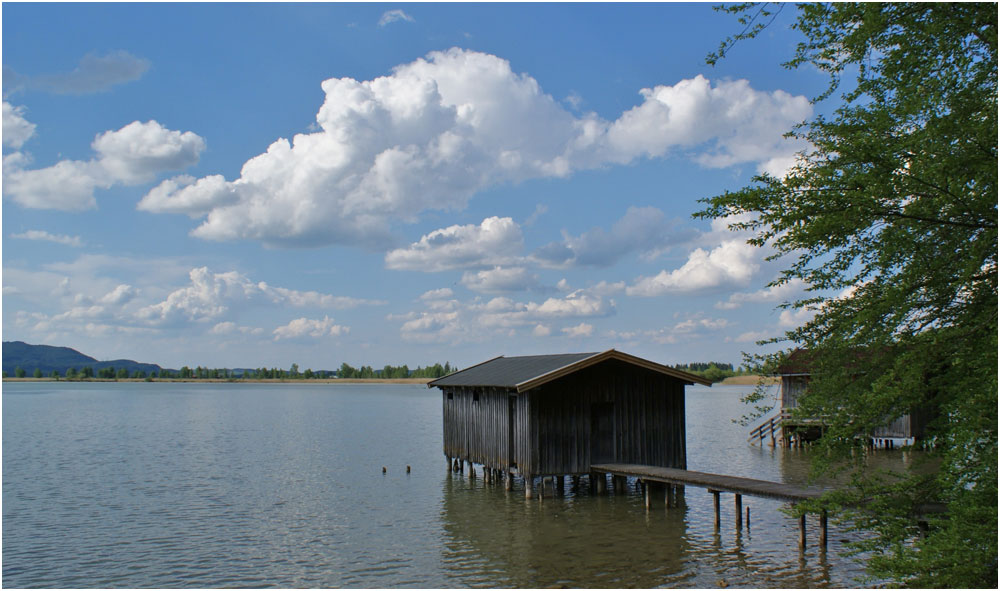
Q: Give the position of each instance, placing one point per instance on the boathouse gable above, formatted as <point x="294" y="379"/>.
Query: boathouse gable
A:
<point x="560" y="414"/>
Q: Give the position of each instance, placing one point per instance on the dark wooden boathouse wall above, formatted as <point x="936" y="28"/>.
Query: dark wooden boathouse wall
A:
<point x="609" y="412"/>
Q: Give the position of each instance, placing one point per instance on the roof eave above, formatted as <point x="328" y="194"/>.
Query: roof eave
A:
<point x="433" y="383"/>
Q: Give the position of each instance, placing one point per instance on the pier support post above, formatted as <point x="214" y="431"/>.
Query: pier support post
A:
<point x="450" y="464"/>
<point x="560" y="485"/>
<point x="802" y="531"/>
<point x="528" y="485"/>
<point x="715" y="503"/>
<point x="649" y="496"/>
<point x="602" y="482"/>
<point x="739" y="511"/>
<point x="508" y="481"/>
<point x="822" y="528"/>
<point x="472" y="471"/>
<point x="668" y="496"/>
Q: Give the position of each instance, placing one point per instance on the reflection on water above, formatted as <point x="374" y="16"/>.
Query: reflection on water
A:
<point x="185" y="485"/>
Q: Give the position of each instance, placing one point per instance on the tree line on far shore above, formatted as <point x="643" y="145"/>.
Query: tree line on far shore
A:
<point x="262" y="373"/>
<point x="713" y="370"/>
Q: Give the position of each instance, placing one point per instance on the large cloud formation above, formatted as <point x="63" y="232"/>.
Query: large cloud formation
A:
<point x="439" y="129"/>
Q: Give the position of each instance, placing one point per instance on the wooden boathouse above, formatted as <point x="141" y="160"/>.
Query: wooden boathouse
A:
<point x="558" y="415"/>
<point x="787" y="429"/>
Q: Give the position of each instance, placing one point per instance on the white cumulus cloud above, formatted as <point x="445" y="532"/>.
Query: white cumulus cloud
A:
<point x="438" y="130"/>
<point x="210" y="296"/>
<point x="16" y="129"/>
<point x="580" y="330"/>
<point x="309" y="328"/>
<point x="495" y="241"/>
<point x="132" y="155"/>
<point x="500" y="280"/>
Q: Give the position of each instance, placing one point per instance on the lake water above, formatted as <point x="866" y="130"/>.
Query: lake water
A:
<point x="232" y="485"/>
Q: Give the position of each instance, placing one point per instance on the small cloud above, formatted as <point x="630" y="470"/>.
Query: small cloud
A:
<point x="301" y="328"/>
<point x="391" y="16"/>
<point x="541" y="330"/>
<point x="580" y="330"/>
<point x="73" y="241"/>
<point x="95" y="73"/>
<point x="16" y="129"/>
<point x="540" y="210"/>
<point x="574" y="100"/>
<point x="437" y="294"/>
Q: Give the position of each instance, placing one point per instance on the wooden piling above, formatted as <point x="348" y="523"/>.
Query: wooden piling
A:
<point x="822" y="528"/>
<point x="450" y="465"/>
<point x="508" y="483"/>
<point x="715" y="503"/>
<point x="602" y="483"/>
<point x="528" y="484"/>
<point x="802" y="531"/>
<point x="649" y="497"/>
<point x="739" y="511"/>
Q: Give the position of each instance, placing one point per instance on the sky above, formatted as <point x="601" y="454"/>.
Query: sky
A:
<point x="247" y="185"/>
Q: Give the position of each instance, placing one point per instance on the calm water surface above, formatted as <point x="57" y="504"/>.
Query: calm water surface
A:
<point x="230" y="485"/>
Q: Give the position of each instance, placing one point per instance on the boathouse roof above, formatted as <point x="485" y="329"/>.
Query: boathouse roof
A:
<point x="530" y="371"/>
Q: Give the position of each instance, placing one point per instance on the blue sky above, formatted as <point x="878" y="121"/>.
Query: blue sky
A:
<point x="244" y="185"/>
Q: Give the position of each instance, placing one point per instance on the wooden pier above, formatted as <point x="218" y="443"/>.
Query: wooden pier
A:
<point x="719" y="483"/>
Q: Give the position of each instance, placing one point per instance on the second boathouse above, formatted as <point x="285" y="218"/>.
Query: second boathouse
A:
<point x="557" y="415"/>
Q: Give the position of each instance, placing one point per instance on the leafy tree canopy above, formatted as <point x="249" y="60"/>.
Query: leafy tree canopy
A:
<point x="890" y="218"/>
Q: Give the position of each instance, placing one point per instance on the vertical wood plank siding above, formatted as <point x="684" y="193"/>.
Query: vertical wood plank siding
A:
<point x="553" y="423"/>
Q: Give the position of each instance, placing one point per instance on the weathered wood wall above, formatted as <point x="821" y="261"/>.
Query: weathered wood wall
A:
<point x="553" y="425"/>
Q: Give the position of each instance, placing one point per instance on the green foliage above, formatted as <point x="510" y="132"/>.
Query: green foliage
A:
<point x="19" y="372"/>
<point x="37" y="373"/>
<point x="890" y="218"/>
<point x="712" y="370"/>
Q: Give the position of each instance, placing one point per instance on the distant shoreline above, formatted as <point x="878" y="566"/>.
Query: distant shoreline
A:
<point x="751" y="380"/>
<point x="233" y="380"/>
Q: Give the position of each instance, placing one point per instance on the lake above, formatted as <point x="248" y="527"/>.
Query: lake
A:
<point x="253" y="485"/>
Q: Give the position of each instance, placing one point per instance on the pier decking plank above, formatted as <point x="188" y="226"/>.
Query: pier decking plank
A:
<point x="719" y="482"/>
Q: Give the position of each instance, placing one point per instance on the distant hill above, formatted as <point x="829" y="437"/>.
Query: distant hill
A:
<point x="48" y="359"/>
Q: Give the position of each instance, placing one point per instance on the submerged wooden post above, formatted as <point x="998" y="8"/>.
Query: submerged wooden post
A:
<point x="528" y="484"/>
<point x="715" y="503"/>
<point x="822" y="528"/>
<point x="739" y="511"/>
<point x="649" y="496"/>
<point x="508" y="483"/>
<point x="450" y="465"/>
<point x="802" y="531"/>
<point x="560" y="484"/>
<point x="472" y="470"/>
<point x="602" y="482"/>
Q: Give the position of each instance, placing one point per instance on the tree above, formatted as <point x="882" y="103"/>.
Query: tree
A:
<point x="890" y="219"/>
<point x="19" y="372"/>
<point x="37" y="373"/>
